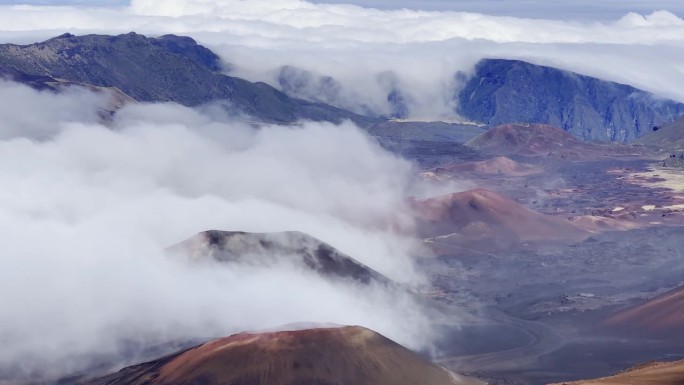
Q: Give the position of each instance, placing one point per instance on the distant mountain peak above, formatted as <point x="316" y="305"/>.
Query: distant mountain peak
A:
<point x="63" y="36"/>
<point x="169" y="68"/>
<point x="503" y="91"/>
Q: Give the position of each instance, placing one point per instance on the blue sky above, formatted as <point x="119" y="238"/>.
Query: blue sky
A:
<point x="556" y="9"/>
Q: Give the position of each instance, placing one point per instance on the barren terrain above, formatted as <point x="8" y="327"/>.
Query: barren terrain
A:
<point x="536" y="308"/>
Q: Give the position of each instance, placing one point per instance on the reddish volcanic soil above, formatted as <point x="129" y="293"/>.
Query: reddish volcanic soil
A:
<point x="333" y="356"/>
<point x="491" y="217"/>
<point x="541" y="140"/>
<point x="662" y="315"/>
<point x="527" y="139"/>
<point x="654" y="373"/>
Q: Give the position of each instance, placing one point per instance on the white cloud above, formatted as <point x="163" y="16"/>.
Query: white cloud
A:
<point x="36" y="120"/>
<point x="87" y="211"/>
<point x="656" y="19"/>
<point x="355" y="44"/>
<point x="548" y="9"/>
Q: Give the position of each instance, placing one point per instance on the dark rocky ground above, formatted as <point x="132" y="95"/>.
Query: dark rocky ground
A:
<point x="165" y="69"/>
<point x="536" y="311"/>
<point x="674" y="161"/>
<point x="539" y="312"/>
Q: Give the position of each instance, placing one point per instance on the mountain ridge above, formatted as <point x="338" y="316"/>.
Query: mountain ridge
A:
<point x="503" y="91"/>
<point x="168" y="68"/>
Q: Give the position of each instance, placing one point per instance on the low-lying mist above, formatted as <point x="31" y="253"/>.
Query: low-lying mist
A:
<point x="86" y="211"/>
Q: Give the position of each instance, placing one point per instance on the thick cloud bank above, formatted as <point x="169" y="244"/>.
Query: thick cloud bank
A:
<point x="373" y="53"/>
<point x="87" y="211"/>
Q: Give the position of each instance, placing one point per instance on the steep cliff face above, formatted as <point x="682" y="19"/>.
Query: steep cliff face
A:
<point x="506" y="91"/>
<point x="168" y="68"/>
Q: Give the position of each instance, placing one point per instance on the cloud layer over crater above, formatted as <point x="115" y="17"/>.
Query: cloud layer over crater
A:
<point x="87" y="211"/>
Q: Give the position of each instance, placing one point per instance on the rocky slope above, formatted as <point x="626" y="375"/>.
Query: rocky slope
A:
<point x="169" y="68"/>
<point x="117" y="98"/>
<point x="674" y="161"/>
<point x="505" y="91"/>
<point x="661" y="316"/>
<point x="38" y="82"/>
<point x="528" y="139"/>
<point x="653" y="373"/>
<point x="669" y="137"/>
<point x="485" y="216"/>
<point x="331" y="356"/>
<point x="269" y="248"/>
